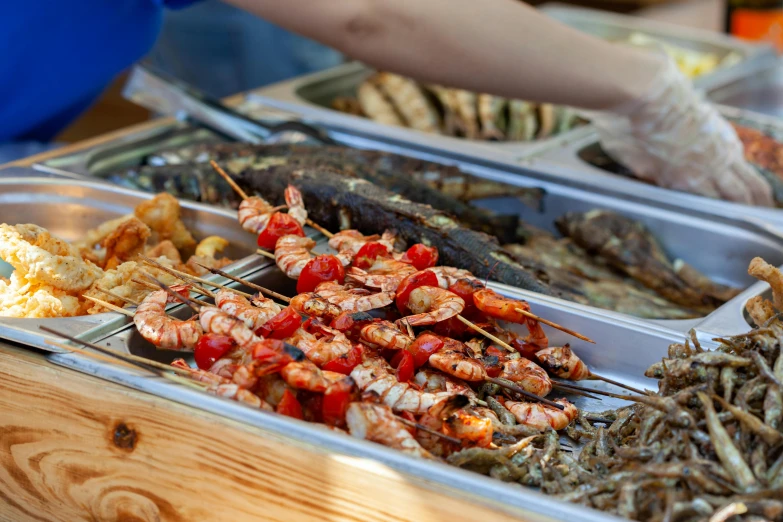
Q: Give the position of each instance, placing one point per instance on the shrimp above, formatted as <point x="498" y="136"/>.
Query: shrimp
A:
<point x="563" y="363"/>
<point x="377" y="423"/>
<point x="501" y="307"/>
<point x="448" y="275"/>
<point x="296" y="209"/>
<point x="216" y="321"/>
<point x="235" y="358"/>
<point x="434" y="420"/>
<point x="161" y="330"/>
<point x="305" y="375"/>
<point x="292" y="253"/>
<point x="431" y="305"/>
<point x="321" y="351"/>
<point x="543" y="417"/>
<point x="313" y="304"/>
<point x="199" y="375"/>
<point x="454" y="360"/>
<point x="385" y="335"/>
<point x="435" y="381"/>
<point x="385" y="274"/>
<point x="254" y="213"/>
<point x="349" y="242"/>
<point x="353" y="299"/>
<point x="374" y="375"/>
<point x="239" y="394"/>
<point x="528" y="375"/>
<point x="237" y="306"/>
<point x="466" y="425"/>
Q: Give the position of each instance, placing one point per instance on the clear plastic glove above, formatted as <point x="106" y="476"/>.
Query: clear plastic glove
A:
<point x="675" y="139"/>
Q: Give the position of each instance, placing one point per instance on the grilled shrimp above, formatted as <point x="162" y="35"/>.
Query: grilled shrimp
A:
<point x="448" y="275"/>
<point x="528" y="375"/>
<point x="501" y="307"/>
<point x="305" y="375"/>
<point x="353" y="299"/>
<point x="227" y="365"/>
<point x="385" y="273"/>
<point x="239" y="394"/>
<point x="199" y="375"/>
<point x="563" y="363"/>
<point x="314" y="305"/>
<point x="377" y="423"/>
<point x="374" y="375"/>
<point x="385" y="335"/>
<point x="254" y="315"/>
<point x="292" y="253"/>
<point x="431" y="305"/>
<point x="254" y="213"/>
<point x="434" y="419"/>
<point x="543" y="417"/>
<point x="296" y="208"/>
<point x="453" y="359"/>
<point x="466" y="425"/>
<point x="435" y="381"/>
<point x="321" y="351"/>
<point x="215" y="320"/>
<point x="161" y="330"/>
<point x="349" y="242"/>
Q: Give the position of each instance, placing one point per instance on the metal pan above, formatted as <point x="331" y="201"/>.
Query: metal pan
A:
<point x="760" y="91"/>
<point x="720" y="247"/>
<point x="575" y="162"/>
<point x="623" y="351"/>
<point x="310" y="97"/>
<point x="68" y="208"/>
<point x="616" y="27"/>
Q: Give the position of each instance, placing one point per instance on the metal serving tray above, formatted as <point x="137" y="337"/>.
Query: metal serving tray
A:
<point x="566" y="164"/>
<point x="721" y="247"/>
<point x="310" y="97"/>
<point x="617" y="27"/>
<point x="623" y="351"/>
<point x="761" y="91"/>
<point x="68" y="208"/>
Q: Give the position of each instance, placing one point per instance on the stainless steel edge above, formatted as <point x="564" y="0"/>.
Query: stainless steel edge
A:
<point x="525" y="503"/>
<point x="730" y="318"/>
<point x="759" y="90"/>
<point x="599" y="23"/>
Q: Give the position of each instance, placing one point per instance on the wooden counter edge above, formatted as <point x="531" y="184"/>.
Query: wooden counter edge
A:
<point x="73" y="447"/>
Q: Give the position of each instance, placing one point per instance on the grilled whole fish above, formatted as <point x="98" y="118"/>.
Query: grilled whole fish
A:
<point x="628" y="246"/>
<point x="332" y="199"/>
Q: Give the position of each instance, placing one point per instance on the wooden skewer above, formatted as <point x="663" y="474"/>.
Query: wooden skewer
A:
<point x="264" y="253"/>
<point x="134" y="360"/>
<point x="254" y="286"/>
<point x="244" y="195"/>
<point x="574" y="391"/>
<point x="525" y="393"/>
<point x="194" y="288"/>
<point x="191" y="278"/>
<point x="121" y="298"/>
<point x="109" y="306"/>
<point x="486" y="334"/>
<point x="194" y="305"/>
<point x="93" y="355"/>
<point x="429" y="430"/>
<point x="554" y="325"/>
<point x="616" y="383"/>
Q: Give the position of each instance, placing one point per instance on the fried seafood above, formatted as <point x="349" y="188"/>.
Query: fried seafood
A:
<point x="163" y="215"/>
<point x="125" y="242"/>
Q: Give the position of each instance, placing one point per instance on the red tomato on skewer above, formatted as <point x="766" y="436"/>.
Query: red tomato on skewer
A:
<point x="421" y="256"/>
<point x="318" y="270"/>
<point x="279" y="225"/>
<point x="211" y="347"/>
<point x="368" y="253"/>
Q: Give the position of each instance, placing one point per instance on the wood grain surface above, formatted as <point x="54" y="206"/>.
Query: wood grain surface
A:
<point x="73" y="447"/>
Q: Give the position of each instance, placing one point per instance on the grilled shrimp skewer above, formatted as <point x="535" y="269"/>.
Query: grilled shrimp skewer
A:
<point x="161" y="330"/>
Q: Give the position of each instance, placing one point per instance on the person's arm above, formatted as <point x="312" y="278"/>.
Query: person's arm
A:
<point x="502" y="47"/>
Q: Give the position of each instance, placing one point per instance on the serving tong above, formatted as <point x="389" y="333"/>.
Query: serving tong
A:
<point x="164" y="94"/>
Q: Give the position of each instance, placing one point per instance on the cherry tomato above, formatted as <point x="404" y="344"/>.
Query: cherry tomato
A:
<point x="282" y="325"/>
<point x="423" y="346"/>
<point x="346" y="362"/>
<point x="351" y="322"/>
<point x="410" y="283"/>
<point x="403" y="361"/>
<point x="492" y="365"/>
<point x="497" y="352"/>
<point x="279" y="225"/>
<point x="421" y="256"/>
<point x="319" y="269"/>
<point x="525" y="349"/>
<point x="316" y="326"/>
<point x="211" y="347"/>
<point x="465" y="288"/>
<point x="290" y="406"/>
<point x="368" y="253"/>
<point x="337" y="397"/>
<point x="451" y="327"/>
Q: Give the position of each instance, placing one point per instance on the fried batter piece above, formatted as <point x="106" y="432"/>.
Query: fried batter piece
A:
<point x="162" y="215"/>
<point x="206" y="254"/>
<point x="119" y="281"/>
<point x="762" y="270"/>
<point x="21" y="297"/>
<point x="125" y="243"/>
<point x="165" y="249"/>
<point x="760" y="310"/>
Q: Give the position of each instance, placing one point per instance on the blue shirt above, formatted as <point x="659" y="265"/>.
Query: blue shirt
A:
<point x="57" y="55"/>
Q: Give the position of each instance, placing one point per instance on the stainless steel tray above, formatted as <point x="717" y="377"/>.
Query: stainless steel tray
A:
<point x="310" y="97"/>
<point x="623" y="351"/>
<point x="760" y="91"/>
<point x="718" y="245"/>
<point x="68" y="208"/>
<point x="617" y="27"/>
<point x="566" y="164"/>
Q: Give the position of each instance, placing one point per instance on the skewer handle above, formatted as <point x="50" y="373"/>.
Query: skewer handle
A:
<point x="228" y="179"/>
<point x="554" y="325"/>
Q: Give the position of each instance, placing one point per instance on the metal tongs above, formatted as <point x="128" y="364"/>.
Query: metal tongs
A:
<point x="161" y="93"/>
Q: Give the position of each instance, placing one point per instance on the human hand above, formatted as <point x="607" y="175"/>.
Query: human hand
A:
<point x="675" y="139"/>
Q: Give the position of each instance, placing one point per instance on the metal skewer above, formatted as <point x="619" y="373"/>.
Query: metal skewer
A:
<point x="244" y="195"/>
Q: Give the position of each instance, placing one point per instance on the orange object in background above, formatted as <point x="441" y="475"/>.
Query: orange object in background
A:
<point x="756" y="21"/>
